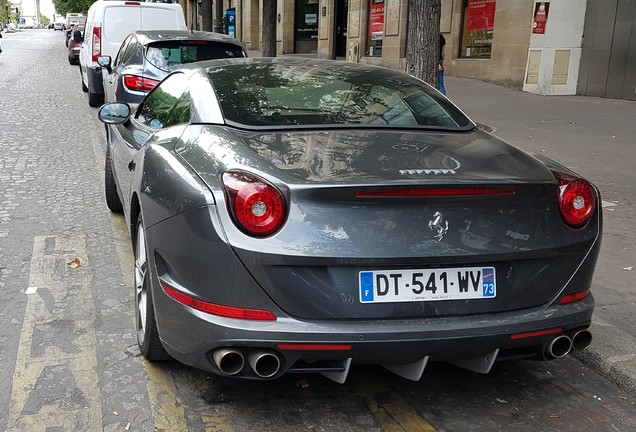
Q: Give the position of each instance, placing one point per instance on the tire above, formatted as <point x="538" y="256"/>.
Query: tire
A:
<point x="84" y="88"/>
<point x="145" y="324"/>
<point x="110" y="187"/>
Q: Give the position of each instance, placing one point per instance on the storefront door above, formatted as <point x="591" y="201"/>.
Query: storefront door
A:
<point x="306" y="27"/>
<point x="340" y="29"/>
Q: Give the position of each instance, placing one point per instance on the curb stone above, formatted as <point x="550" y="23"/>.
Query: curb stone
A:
<point x="611" y="354"/>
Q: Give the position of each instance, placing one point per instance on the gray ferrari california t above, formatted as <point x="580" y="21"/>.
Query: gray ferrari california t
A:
<point x="302" y="215"/>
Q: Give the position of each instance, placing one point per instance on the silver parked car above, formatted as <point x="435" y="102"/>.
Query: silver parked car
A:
<point x="302" y="215"/>
<point x="147" y="57"/>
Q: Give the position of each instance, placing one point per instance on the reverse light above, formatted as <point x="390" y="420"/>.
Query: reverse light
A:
<point x="573" y="298"/>
<point x="258" y="208"/>
<point x="216" y="309"/>
<point x="97" y="43"/>
<point x="576" y="197"/>
<point x="137" y="83"/>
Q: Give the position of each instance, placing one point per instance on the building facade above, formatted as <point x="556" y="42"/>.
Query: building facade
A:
<point x="544" y="47"/>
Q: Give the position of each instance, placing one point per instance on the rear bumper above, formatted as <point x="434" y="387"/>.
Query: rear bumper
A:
<point x="192" y="336"/>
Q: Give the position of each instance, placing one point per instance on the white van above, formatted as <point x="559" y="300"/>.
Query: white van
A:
<point x="108" y="22"/>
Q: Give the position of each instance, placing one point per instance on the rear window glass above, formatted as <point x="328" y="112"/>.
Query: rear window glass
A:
<point x="170" y="55"/>
<point x="308" y="94"/>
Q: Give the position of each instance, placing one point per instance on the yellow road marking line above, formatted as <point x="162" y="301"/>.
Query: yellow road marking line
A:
<point x="218" y="424"/>
<point x="70" y="291"/>
<point x="393" y="414"/>
<point x="167" y="412"/>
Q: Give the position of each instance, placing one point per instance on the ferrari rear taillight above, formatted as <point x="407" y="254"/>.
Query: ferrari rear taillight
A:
<point x="577" y="199"/>
<point x="97" y="42"/>
<point x="258" y="208"/>
<point x="137" y="83"/>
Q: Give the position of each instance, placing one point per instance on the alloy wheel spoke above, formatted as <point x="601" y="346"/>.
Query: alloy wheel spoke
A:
<point x="141" y="266"/>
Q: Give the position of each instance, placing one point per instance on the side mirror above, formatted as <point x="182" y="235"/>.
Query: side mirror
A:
<point x="114" y="113"/>
<point x="105" y="62"/>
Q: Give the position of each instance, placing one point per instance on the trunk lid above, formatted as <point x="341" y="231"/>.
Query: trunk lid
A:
<point x="342" y="225"/>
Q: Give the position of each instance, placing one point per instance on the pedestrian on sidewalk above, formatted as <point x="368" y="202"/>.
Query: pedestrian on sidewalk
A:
<point x="440" y="64"/>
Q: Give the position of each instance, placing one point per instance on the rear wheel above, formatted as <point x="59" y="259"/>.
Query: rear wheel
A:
<point x="110" y="187"/>
<point x="146" y="326"/>
<point x="84" y="88"/>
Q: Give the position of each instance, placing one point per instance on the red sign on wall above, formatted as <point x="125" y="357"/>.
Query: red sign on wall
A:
<point x="540" y="17"/>
<point x="376" y="20"/>
<point x="481" y="14"/>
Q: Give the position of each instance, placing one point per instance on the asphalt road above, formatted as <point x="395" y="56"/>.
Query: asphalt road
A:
<point x="68" y="356"/>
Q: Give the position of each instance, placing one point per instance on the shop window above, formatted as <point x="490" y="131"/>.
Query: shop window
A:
<point x="477" y="28"/>
<point x="376" y="28"/>
<point x="306" y="32"/>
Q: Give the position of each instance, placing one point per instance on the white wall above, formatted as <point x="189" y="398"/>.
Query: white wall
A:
<point x="563" y="33"/>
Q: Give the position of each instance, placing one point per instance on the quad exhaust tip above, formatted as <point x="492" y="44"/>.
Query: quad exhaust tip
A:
<point x="581" y="339"/>
<point x="229" y="361"/>
<point x="265" y="364"/>
<point x="560" y="346"/>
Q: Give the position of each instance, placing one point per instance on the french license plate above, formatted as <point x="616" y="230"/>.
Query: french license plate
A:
<point x="388" y="286"/>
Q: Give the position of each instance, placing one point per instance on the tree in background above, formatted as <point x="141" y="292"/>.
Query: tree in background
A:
<point x="45" y="20"/>
<point x="63" y="7"/>
<point x="422" y="40"/>
<point x="7" y="13"/>
<point x="269" y="28"/>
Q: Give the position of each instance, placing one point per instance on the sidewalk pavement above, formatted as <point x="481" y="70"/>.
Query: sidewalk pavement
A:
<point x="595" y="137"/>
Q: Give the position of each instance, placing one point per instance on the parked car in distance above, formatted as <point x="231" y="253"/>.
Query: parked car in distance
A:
<point x="304" y="215"/>
<point x="147" y="57"/>
<point x="58" y="26"/>
<point x="108" y="22"/>
<point x="72" y="27"/>
<point x="75" y="44"/>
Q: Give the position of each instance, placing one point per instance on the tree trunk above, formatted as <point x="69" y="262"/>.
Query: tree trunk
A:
<point x="206" y="15"/>
<point x="422" y="40"/>
<point x="269" y="28"/>
<point x="218" y="14"/>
